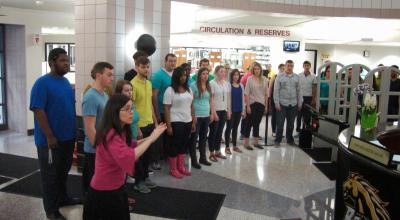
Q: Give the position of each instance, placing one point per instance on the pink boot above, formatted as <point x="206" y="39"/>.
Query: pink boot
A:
<point x="173" y="171"/>
<point x="181" y="165"/>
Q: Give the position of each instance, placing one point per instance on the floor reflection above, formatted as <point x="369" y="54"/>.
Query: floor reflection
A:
<point x="320" y="205"/>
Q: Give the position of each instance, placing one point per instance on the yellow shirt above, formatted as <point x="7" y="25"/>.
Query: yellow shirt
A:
<point x="141" y="96"/>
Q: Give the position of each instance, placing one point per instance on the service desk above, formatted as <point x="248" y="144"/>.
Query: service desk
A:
<point x="365" y="189"/>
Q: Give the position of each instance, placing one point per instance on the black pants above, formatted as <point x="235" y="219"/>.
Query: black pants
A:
<point x="304" y="113"/>
<point x="106" y="205"/>
<point x="273" y="115"/>
<point x="216" y="129"/>
<point x="201" y="133"/>
<point x="142" y="165"/>
<point x="88" y="171"/>
<point x="232" y="127"/>
<point x="254" y="119"/>
<point x="180" y="138"/>
<point x="243" y="126"/>
<point x="54" y="175"/>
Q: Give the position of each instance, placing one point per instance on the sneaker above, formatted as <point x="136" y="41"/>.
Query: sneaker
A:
<point x="156" y="166"/>
<point x="205" y="162"/>
<point x="55" y="216"/>
<point x="236" y="149"/>
<point x="130" y="179"/>
<point x="248" y="148"/>
<point x="219" y="155"/>
<point x="141" y="187"/>
<point x="258" y="146"/>
<point x="150" y="184"/>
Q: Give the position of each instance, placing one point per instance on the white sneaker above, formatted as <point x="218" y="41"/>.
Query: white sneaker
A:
<point x="130" y="179"/>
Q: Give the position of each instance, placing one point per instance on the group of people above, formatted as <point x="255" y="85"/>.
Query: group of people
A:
<point x="124" y="128"/>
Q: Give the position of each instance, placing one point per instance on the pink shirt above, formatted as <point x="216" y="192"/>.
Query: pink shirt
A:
<point x="244" y="79"/>
<point x="113" y="162"/>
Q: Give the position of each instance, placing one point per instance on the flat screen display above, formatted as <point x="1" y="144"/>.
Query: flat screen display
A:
<point x="291" y="46"/>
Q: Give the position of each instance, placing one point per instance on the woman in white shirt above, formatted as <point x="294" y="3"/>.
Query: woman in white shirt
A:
<point x="221" y="93"/>
<point x="180" y="119"/>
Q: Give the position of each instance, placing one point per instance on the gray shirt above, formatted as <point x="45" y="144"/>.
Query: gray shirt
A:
<point x="287" y="90"/>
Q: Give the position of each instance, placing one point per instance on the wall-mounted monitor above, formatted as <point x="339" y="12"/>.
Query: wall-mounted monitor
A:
<point x="291" y="46"/>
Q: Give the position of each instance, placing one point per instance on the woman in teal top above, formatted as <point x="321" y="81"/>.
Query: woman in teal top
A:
<point x="202" y="104"/>
<point x="324" y="91"/>
<point x="125" y="87"/>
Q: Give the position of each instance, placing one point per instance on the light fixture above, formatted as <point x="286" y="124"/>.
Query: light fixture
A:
<point x="39" y="2"/>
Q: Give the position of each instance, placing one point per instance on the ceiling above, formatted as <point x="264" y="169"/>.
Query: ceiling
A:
<point x="66" y="6"/>
<point x="313" y="29"/>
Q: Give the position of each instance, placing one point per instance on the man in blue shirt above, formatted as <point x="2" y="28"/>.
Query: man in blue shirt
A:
<point x="93" y="103"/>
<point x="53" y="104"/>
<point x="160" y="81"/>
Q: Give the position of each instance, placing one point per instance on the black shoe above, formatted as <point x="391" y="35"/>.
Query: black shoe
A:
<point x="298" y="130"/>
<point x="72" y="201"/>
<point x="205" y="162"/>
<point x="55" y="216"/>
<point x="196" y="165"/>
<point x="292" y="143"/>
<point x="258" y="146"/>
<point x="248" y="148"/>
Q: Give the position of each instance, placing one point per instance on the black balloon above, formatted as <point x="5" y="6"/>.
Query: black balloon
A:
<point x="146" y="43"/>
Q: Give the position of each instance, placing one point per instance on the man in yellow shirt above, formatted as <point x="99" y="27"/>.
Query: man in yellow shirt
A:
<point x="142" y="97"/>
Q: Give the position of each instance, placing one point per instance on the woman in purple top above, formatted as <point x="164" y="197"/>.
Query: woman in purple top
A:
<point x="116" y="154"/>
<point x="237" y="106"/>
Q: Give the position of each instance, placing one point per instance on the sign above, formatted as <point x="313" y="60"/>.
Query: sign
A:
<point x="269" y="32"/>
<point x="370" y="150"/>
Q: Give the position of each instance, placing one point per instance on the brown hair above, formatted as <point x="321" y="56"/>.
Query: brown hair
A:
<point x="169" y="55"/>
<point x="204" y="60"/>
<point x="99" y="68"/>
<point x="142" y="61"/>
<point x="120" y="86"/>
<point x="198" y="82"/>
<point x="138" y="54"/>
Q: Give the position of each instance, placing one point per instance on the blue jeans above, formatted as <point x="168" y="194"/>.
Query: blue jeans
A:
<point x="289" y="113"/>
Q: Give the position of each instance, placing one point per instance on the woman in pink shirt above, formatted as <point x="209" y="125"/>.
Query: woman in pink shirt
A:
<point x="116" y="154"/>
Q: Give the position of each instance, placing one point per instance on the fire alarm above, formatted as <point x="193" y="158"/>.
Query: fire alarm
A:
<point x="366" y="53"/>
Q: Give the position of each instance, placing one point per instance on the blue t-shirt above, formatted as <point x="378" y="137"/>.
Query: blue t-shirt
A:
<point x="93" y="104"/>
<point x="161" y="80"/>
<point x="55" y="96"/>
<point x="201" y="102"/>
<point x="237" y="99"/>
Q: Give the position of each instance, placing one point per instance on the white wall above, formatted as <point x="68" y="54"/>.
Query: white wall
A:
<point x="349" y="54"/>
<point x="33" y="21"/>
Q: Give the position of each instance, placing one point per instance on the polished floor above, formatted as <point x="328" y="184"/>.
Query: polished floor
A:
<point x="274" y="183"/>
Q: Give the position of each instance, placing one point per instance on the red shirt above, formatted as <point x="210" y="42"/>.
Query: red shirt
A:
<point x="244" y="79"/>
<point x="113" y="162"/>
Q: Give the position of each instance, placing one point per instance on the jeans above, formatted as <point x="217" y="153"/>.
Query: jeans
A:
<point x="254" y="119"/>
<point x="88" y="171"/>
<point x="54" y="175"/>
<point x="142" y="165"/>
<point x="201" y="133"/>
<point x="273" y="116"/>
<point x="288" y="113"/>
<point x="232" y="126"/>
<point x="216" y="129"/>
<point x="304" y="113"/>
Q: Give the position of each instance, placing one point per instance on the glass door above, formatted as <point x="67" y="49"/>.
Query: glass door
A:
<point x="3" y="101"/>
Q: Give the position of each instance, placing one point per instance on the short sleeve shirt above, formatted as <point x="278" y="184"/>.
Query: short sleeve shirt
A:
<point x="306" y="83"/>
<point x="161" y="80"/>
<point x="93" y="104"/>
<point x="55" y="96"/>
<point x="221" y="94"/>
<point x="141" y="96"/>
<point x="180" y="105"/>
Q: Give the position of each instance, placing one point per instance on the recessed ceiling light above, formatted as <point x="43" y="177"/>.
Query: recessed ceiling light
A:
<point x="39" y="2"/>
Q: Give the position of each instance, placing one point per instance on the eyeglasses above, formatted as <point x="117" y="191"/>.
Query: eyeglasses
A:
<point x="127" y="110"/>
